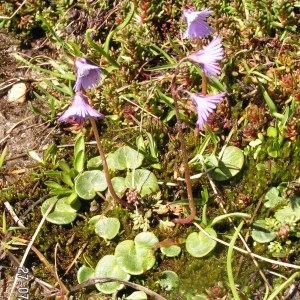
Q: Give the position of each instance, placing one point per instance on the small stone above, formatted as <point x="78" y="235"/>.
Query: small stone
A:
<point x="17" y="93"/>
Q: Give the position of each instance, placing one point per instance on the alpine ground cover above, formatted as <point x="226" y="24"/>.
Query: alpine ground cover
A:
<point x="195" y="106"/>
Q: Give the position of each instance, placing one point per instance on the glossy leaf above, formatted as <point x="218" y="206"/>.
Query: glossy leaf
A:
<point x="88" y="183"/>
<point x="107" y="228"/>
<point x="168" y="280"/>
<point x="143" y="181"/>
<point x="198" y="244"/>
<point x="108" y="267"/>
<point x="85" y="273"/>
<point x="127" y="158"/>
<point x="262" y="233"/>
<point x="229" y="165"/>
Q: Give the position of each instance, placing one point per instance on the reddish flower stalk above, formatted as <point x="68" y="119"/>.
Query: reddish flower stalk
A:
<point x="106" y="170"/>
<point x="185" y="161"/>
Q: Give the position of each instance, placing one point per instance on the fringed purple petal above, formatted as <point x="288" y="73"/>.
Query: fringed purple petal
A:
<point x="209" y="56"/>
<point x="80" y="110"/>
<point x="87" y="75"/>
<point x="205" y="105"/>
<point x="197" y="25"/>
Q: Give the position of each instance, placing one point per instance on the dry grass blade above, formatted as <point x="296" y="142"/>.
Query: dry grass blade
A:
<point x="30" y="246"/>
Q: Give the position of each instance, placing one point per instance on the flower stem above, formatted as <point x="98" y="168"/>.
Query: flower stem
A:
<point x="105" y="168"/>
<point x="188" y="182"/>
<point x="204" y="84"/>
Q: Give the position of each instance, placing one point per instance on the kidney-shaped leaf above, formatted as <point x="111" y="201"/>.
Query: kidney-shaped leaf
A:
<point x="261" y="233"/>
<point x="229" y="165"/>
<point x="108" y="266"/>
<point x="146" y="240"/>
<point x="288" y="214"/>
<point x="171" y="251"/>
<point x="143" y="181"/>
<point x="85" y="273"/>
<point x="63" y="213"/>
<point x="127" y="158"/>
<point x="90" y="182"/>
<point x="132" y="259"/>
<point x="198" y="244"/>
<point x="107" y="228"/>
<point x="168" y="280"/>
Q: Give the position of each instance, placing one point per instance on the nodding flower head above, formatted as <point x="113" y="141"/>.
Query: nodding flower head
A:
<point x="80" y="110"/>
<point x="197" y="25"/>
<point x="209" y="56"/>
<point x="205" y="105"/>
<point x="88" y="75"/>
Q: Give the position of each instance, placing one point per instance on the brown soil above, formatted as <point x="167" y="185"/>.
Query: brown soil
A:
<point x="21" y="130"/>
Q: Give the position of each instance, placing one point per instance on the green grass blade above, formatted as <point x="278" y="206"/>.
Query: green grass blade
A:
<point x="119" y="27"/>
<point x="229" y="260"/>
<point x="269" y="101"/>
<point x="283" y="286"/>
<point x="100" y="49"/>
<point x="69" y="76"/>
<point x="2" y="156"/>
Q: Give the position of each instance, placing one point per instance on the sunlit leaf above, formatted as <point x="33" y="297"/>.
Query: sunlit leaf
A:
<point x="108" y="267"/>
<point x="143" y="181"/>
<point x="90" y="182"/>
<point x="198" y="244"/>
<point x="107" y="228"/>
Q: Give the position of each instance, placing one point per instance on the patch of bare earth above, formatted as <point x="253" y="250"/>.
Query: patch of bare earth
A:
<point x="21" y="130"/>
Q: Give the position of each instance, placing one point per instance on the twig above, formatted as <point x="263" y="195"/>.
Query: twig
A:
<point x="240" y="236"/>
<point x="248" y="234"/>
<point x="62" y="287"/>
<point x="79" y="252"/>
<point x="8" y="18"/>
<point x="43" y="259"/>
<point x="13" y="214"/>
<point x="30" y="246"/>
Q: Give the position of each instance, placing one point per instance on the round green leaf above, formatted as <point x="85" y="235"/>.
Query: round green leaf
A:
<point x="198" y="244"/>
<point x="118" y="184"/>
<point x="146" y="240"/>
<point x="272" y="132"/>
<point x="90" y="182"/>
<point x="261" y="233"/>
<point x="168" y="280"/>
<point x="85" y="273"/>
<point x="108" y="267"/>
<point x="107" y="228"/>
<point x="64" y="205"/>
<point x="93" y="220"/>
<point x="143" y="181"/>
<point x="134" y="260"/>
<point x="127" y="158"/>
<point x="171" y="251"/>
<point x="229" y="165"/>
<point x="272" y="198"/>
<point x="94" y="163"/>
<point x="57" y="216"/>
<point x="111" y="163"/>
<point x="288" y="214"/>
